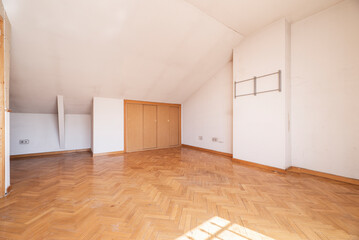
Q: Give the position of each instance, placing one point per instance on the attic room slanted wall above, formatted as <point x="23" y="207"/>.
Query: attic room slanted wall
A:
<point x="208" y="113"/>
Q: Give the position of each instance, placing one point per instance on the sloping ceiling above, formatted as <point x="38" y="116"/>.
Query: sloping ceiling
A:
<point x="247" y="16"/>
<point x="154" y="50"/>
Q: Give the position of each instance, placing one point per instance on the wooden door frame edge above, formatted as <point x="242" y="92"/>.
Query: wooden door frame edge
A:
<point x="151" y="103"/>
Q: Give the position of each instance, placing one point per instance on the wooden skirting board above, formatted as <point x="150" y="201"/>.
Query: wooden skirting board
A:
<point x="12" y="157"/>
<point x="208" y="150"/>
<point x="107" y="153"/>
<point x="300" y="170"/>
<point x="324" y="175"/>
<point x="290" y="169"/>
<point x="257" y="165"/>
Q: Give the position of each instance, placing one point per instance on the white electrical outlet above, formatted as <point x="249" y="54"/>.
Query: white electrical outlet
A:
<point x="200" y="137"/>
<point x="24" y="141"/>
<point x="214" y="139"/>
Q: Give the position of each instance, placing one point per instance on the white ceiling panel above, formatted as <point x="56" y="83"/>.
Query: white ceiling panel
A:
<point x="138" y="49"/>
<point x="247" y="16"/>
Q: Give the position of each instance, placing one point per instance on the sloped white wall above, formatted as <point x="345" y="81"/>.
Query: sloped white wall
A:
<point x="325" y="87"/>
<point x="108" y="125"/>
<point x="153" y="50"/>
<point x="260" y="123"/>
<point x="208" y="113"/>
<point x="42" y="131"/>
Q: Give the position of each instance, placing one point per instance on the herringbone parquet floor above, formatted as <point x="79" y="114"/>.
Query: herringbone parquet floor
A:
<point x="163" y="194"/>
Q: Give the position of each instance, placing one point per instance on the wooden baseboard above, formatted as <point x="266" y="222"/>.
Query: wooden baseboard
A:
<point x="257" y="165"/>
<point x="13" y="157"/>
<point x="324" y="175"/>
<point x="9" y="188"/>
<point x="107" y="153"/>
<point x="208" y="150"/>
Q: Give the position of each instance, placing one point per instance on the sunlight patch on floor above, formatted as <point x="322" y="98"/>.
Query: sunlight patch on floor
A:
<point x="218" y="228"/>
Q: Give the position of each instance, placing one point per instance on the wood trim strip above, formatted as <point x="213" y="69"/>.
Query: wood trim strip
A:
<point x="13" y="157"/>
<point x="9" y="188"/>
<point x="258" y="165"/>
<point x="208" y="150"/>
<point x="151" y="103"/>
<point x="107" y="153"/>
<point x="324" y="175"/>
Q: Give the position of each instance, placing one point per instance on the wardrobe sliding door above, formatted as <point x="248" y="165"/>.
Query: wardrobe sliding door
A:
<point x="149" y="126"/>
<point x="174" y="126"/>
<point x="134" y="124"/>
<point x="163" y="126"/>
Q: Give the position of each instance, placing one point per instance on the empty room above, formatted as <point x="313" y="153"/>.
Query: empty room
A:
<point x="179" y="120"/>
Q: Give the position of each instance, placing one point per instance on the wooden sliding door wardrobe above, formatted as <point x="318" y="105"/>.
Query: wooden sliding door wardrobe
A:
<point x="150" y="125"/>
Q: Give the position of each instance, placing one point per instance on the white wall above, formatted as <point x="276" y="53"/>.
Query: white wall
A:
<point x="108" y="125"/>
<point x="208" y="113"/>
<point x="325" y="87"/>
<point x="260" y="123"/>
<point x="42" y="131"/>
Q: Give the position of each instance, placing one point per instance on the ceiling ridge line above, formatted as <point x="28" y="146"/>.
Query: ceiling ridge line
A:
<point x="203" y="12"/>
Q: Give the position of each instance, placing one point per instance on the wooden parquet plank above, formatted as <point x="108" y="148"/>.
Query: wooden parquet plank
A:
<point x="163" y="194"/>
